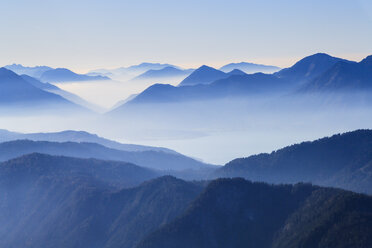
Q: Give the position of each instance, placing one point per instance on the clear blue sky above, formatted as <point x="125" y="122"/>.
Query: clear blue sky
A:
<point x="88" y="34"/>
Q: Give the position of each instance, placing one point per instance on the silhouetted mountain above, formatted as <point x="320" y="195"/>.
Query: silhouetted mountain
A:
<point x="133" y="70"/>
<point x="65" y="202"/>
<point x="150" y="159"/>
<point x="234" y="213"/>
<point x="249" y="68"/>
<point x="233" y="86"/>
<point x="343" y="160"/>
<point x="78" y="136"/>
<point x="65" y="94"/>
<point x="203" y="75"/>
<point x="309" y="68"/>
<point x="143" y="67"/>
<point x="30" y="71"/>
<point x="15" y="91"/>
<point x="344" y="76"/>
<point x="166" y="72"/>
<point x="64" y="75"/>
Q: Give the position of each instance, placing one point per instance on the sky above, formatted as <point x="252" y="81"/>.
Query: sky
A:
<point x="90" y="34"/>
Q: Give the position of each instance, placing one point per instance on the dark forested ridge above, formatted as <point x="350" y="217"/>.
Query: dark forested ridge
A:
<point x="343" y="160"/>
<point x="237" y="213"/>
<point x="54" y="201"/>
<point x="49" y="201"/>
<point x="32" y="167"/>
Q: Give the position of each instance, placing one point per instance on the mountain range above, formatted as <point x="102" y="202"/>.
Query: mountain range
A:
<point x="34" y="72"/>
<point x="319" y="72"/>
<point x="134" y="70"/>
<point x="53" y="201"/>
<point x="232" y="86"/>
<point x="51" y="75"/>
<point x="60" y="75"/>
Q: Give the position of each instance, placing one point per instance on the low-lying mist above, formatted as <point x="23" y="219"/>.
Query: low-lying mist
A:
<point x="108" y="93"/>
<point x="215" y="131"/>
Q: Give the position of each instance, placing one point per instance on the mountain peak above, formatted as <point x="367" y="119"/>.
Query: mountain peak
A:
<point x="65" y="75"/>
<point x="236" y="72"/>
<point x="309" y="67"/>
<point x="367" y="60"/>
<point x="205" y="67"/>
<point x="203" y="75"/>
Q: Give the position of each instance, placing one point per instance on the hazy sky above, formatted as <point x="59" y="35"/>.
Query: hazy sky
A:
<point x="89" y="34"/>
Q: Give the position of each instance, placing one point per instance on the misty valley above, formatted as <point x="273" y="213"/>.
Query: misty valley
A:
<point x="160" y="156"/>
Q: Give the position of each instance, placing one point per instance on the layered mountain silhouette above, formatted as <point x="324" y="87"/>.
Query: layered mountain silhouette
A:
<point x="237" y="213"/>
<point x="143" y="67"/>
<point x="151" y="159"/>
<point x="166" y="72"/>
<point x="78" y="136"/>
<point x="344" y="76"/>
<point x="134" y="70"/>
<point x="319" y="72"/>
<point x="55" y="201"/>
<point x="16" y="91"/>
<point x="203" y="75"/>
<point x="343" y="160"/>
<point x="35" y="71"/>
<point x="232" y="86"/>
<point x="249" y="68"/>
<point x="60" y="75"/>
<point x="58" y="91"/>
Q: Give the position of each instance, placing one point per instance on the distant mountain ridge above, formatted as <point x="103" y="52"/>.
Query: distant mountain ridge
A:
<point x="15" y="91"/>
<point x="78" y="136"/>
<point x="166" y="72"/>
<point x="35" y="71"/>
<point x="49" y="74"/>
<point x="151" y="159"/>
<point x="134" y="70"/>
<point x="60" y="75"/>
<point x="315" y="73"/>
<point x="234" y="86"/>
<point x="249" y="68"/>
